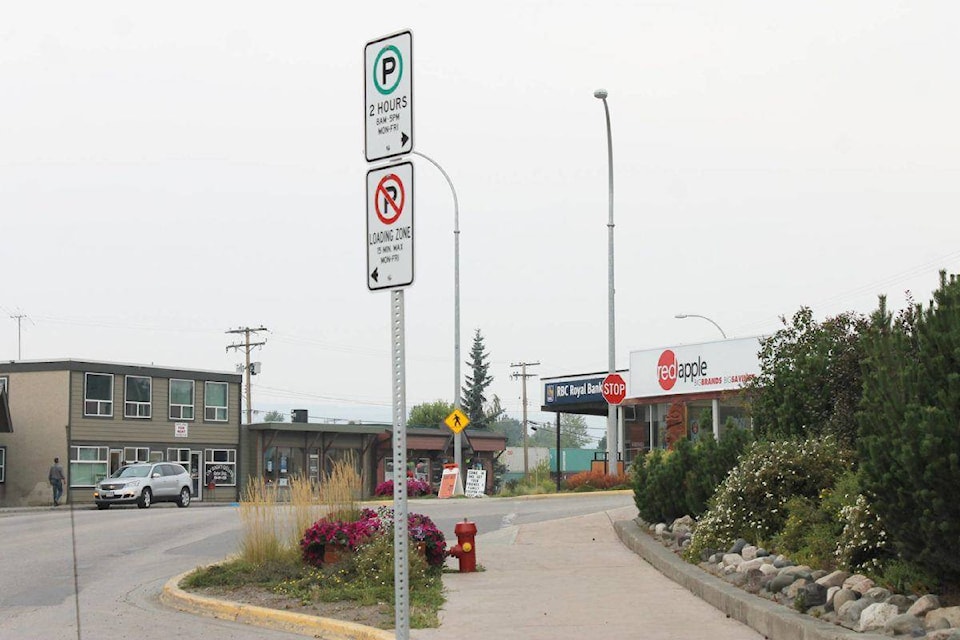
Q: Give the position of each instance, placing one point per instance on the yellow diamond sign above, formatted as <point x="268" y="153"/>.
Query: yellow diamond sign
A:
<point x="457" y="421"/>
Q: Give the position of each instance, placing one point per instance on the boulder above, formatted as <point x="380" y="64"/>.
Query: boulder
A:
<point x="879" y="594"/>
<point x="902" y="603"/>
<point x="781" y="561"/>
<point x="943" y="634"/>
<point x="859" y="583"/>
<point x="754" y="581"/>
<point x="831" y="592"/>
<point x="684" y="524"/>
<point x="660" y="529"/>
<point x="819" y="573"/>
<point x="749" y="552"/>
<point x="814" y="595"/>
<point x="768" y="569"/>
<point x="736" y="578"/>
<point x="876" y="616"/>
<point x="750" y="565"/>
<point x="834" y="579"/>
<point x="732" y="559"/>
<point x="762" y="553"/>
<point x="796" y="587"/>
<point x="715" y="558"/>
<point x="780" y="582"/>
<point x="844" y="596"/>
<point x="849" y="613"/>
<point x="903" y="624"/>
<point x="924" y="605"/>
<point x="738" y="546"/>
<point x="933" y="620"/>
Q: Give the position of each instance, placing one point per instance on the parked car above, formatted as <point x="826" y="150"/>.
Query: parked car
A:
<point x="144" y="484"/>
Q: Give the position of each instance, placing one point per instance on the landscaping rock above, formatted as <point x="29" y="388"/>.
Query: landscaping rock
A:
<point x="732" y="559"/>
<point x="904" y="625"/>
<point x="949" y="614"/>
<point x="768" y="569"/>
<point x="796" y="588"/>
<point x="660" y="529"/>
<point x="834" y="579"/>
<point x="754" y="581"/>
<point x="848" y="614"/>
<point x="685" y="524"/>
<point x="814" y="595"/>
<point x="738" y="546"/>
<point x="819" y="573"/>
<point x="876" y="616"/>
<point x="902" y="603"/>
<point x="736" y="579"/>
<point x="715" y="558"/>
<point x="762" y="553"/>
<point x="924" y="605"/>
<point x="780" y="582"/>
<point x="750" y="565"/>
<point x="749" y="552"/>
<point x="782" y="561"/>
<point x="879" y="594"/>
<point x="945" y="634"/>
<point x="831" y="592"/>
<point x="859" y="583"/>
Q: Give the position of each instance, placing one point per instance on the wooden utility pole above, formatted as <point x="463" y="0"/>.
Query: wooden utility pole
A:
<point x="523" y="375"/>
<point x="19" y="316"/>
<point x="246" y="345"/>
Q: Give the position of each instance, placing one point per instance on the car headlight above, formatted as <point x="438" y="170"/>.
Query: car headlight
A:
<point x="133" y="483"/>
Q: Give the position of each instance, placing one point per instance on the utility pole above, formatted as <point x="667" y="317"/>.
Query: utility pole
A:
<point x="523" y="375"/>
<point x="19" y="316"/>
<point x="246" y="345"/>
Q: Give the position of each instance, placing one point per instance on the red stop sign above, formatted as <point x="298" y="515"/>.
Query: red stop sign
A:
<point x="614" y="389"/>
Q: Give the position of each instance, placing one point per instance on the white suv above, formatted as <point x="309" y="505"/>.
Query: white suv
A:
<point x="144" y="484"/>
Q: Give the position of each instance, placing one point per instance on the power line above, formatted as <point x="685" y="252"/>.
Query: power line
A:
<point x="246" y="345"/>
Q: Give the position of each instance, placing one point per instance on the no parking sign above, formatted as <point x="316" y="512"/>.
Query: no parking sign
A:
<point x="390" y="227"/>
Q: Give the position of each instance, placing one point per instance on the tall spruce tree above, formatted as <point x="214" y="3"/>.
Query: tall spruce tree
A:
<point x="474" y="399"/>
<point x="910" y="429"/>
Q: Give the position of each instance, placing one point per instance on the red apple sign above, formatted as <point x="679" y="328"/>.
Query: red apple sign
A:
<point x="614" y="389"/>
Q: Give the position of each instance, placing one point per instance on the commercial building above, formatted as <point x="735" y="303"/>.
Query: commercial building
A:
<point x="672" y="393"/>
<point x="98" y="416"/>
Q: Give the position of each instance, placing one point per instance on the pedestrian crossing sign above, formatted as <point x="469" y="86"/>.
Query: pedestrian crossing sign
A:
<point x="457" y="421"/>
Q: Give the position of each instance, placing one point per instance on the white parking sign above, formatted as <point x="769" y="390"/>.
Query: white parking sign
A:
<point x="388" y="96"/>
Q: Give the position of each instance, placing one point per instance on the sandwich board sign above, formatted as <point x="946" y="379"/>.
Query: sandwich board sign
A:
<point x="476" y="483"/>
<point x="388" y="96"/>
<point x="390" y="227"/>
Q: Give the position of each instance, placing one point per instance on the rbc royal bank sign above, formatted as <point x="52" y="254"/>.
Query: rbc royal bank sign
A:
<point x="573" y="390"/>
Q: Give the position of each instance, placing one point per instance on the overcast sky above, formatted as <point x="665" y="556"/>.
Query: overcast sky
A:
<point x="173" y="170"/>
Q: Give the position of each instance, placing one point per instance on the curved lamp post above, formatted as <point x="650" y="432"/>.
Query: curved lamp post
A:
<point x="681" y="316"/>
<point x="457" y="454"/>
<point x="601" y="94"/>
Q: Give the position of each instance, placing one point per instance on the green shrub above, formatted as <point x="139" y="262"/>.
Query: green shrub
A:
<point x="752" y="501"/>
<point x="670" y="484"/>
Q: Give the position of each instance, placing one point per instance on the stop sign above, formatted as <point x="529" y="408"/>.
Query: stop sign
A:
<point x="614" y="389"/>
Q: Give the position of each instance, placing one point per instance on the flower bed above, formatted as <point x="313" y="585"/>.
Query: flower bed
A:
<point x="415" y="488"/>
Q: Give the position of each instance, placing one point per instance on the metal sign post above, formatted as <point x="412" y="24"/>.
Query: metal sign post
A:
<point x="401" y="581"/>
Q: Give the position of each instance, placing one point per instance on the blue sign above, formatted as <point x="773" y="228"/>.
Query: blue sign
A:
<point x="573" y="391"/>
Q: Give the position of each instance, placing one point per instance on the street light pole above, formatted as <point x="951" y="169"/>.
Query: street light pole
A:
<point x="457" y="453"/>
<point x="681" y="316"/>
<point x="601" y="94"/>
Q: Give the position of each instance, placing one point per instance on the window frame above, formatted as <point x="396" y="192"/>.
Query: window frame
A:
<point x="225" y="407"/>
<point x="104" y="459"/>
<point x="3" y="464"/>
<point x="5" y="384"/>
<point x="87" y="399"/>
<point x="210" y="458"/>
<point x="137" y="403"/>
<point x="136" y="452"/>
<point x="192" y="405"/>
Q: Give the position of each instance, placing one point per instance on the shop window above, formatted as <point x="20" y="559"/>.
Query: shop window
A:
<point x="222" y="465"/>
<point x="98" y="395"/>
<point x="137" y="396"/>
<point x="215" y="401"/>
<point x="181" y="399"/>
<point x="88" y="465"/>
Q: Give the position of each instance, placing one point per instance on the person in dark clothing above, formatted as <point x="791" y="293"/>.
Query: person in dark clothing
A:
<point x="57" y="479"/>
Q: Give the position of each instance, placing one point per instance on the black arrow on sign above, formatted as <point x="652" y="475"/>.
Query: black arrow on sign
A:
<point x="403" y="139"/>
<point x="375" y="275"/>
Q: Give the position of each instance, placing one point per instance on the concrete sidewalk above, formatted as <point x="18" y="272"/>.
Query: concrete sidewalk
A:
<point x="568" y="580"/>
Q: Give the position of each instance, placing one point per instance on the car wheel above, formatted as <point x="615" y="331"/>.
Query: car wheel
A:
<point x="146" y="496"/>
<point x="103" y="505"/>
<point x="184" y="500"/>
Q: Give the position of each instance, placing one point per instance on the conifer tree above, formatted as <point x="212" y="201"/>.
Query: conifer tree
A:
<point x="474" y="400"/>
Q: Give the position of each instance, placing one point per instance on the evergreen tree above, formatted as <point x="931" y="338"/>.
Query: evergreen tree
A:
<point x="474" y="401"/>
<point x="910" y="439"/>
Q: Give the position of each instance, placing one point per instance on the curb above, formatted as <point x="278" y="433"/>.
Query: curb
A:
<point x="312" y="626"/>
<point x="775" y="621"/>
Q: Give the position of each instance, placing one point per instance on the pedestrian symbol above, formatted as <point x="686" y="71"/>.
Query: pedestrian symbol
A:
<point x="457" y="421"/>
<point x="388" y="70"/>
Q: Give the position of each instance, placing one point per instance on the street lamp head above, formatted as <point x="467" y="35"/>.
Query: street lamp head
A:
<point x="600" y="94"/>
<point x="681" y="316"/>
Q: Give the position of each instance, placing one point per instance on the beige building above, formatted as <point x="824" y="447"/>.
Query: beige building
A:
<point x="98" y="416"/>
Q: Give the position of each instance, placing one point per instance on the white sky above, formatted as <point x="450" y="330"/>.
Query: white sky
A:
<point x="173" y="170"/>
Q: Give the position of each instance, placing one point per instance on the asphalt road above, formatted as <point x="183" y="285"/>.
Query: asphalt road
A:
<point x="124" y="556"/>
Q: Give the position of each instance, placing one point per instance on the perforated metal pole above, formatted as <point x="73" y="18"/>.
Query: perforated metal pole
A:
<point x="401" y="582"/>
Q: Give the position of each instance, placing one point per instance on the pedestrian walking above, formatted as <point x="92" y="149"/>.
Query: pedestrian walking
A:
<point x="56" y="481"/>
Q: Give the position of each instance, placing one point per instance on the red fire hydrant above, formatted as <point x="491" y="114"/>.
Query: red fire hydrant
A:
<point x="466" y="548"/>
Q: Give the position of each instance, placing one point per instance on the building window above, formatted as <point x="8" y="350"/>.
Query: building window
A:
<point x="132" y="455"/>
<point x="223" y="464"/>
<point x="181" y="456"/>
<point x="4" y="381"/>
<point x="215" y="401"/>
<point x="137" y="400"/>
<point x="181" y="399"/>
<point x="3" y="464"/>
<point x="98" y="395"/>
<point x="88" y="465"/>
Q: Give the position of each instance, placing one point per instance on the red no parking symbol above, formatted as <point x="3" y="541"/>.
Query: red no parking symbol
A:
<point x="391" y="194"/>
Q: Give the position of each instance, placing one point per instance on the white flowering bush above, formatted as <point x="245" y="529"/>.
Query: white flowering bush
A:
<point x="863" y="543"/>
<point x="751" y="501"/>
